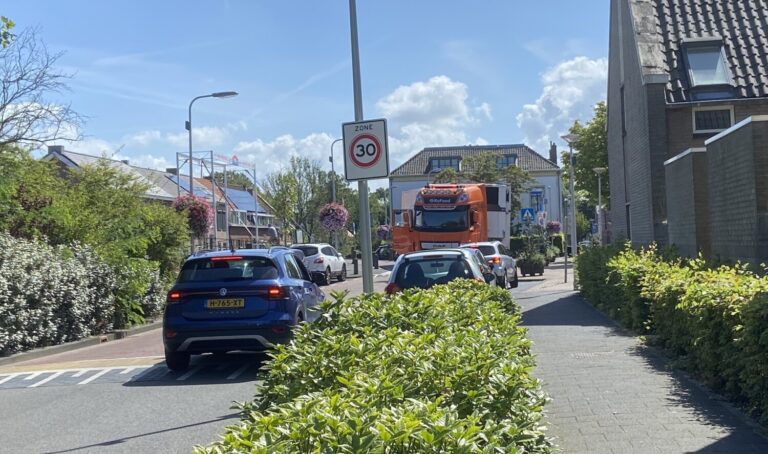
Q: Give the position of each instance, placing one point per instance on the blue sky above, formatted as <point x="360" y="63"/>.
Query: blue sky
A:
<point x="442" y="72"/>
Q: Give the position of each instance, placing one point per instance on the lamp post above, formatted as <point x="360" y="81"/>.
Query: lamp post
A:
<point x="188" y="126"/>
<point x="570" y="138"/>
<point x="599" y="212"/>
<point x="333" y="190"/>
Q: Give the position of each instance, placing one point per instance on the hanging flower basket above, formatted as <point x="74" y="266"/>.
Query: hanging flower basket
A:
<point x="553" y="227"/>
<point x="199" y="211"/>
<point x="333" y="216"/>
<point x="383" y="232"/>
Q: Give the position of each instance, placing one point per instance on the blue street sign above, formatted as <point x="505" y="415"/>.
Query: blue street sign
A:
<point x="527" y="215"/>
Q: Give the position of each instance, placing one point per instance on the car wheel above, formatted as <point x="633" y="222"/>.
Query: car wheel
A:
<point x="514" y="282"/>
<point x="327" y="276"/>
<point x="343" y="274"/>
<point x="177" y="361"/>
<point x="502" y="281"/>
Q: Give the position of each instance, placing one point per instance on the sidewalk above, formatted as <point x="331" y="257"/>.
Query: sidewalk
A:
<point x="610" y="394"/>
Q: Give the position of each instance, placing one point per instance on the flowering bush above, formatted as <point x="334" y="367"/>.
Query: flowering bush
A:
<point x="199" y="211"/>
<point x="383" y="232"/>
<point x="333" y="216"/>
<point x="50" y="295"/>
<point x="553" y="227"/>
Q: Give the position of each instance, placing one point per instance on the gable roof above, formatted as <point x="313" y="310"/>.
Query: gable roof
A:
<point x="527" y="159"/>
<point x="661" y="25"/>
<point x="157" y="188"/>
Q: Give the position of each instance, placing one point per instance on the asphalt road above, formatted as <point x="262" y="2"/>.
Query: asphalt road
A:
<point x="120" y="397"/>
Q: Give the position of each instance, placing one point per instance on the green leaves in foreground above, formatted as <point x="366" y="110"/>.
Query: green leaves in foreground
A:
<point x="440" y="370"/>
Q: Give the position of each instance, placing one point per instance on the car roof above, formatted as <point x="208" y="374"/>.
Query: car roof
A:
<point x="317" y="245"/>
<point x="481" y="243"/>
<point x="432" y="252"/>
<point x="238" y="252"/>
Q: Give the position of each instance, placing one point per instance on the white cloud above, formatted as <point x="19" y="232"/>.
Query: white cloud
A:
<point x="202" y="136"/>
<point x="272" y="155"/>
<point x="429" y="113"/>
<point x="570" y="91"/>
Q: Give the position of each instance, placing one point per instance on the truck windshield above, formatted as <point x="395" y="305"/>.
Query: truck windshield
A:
<point x="455" y="220"/>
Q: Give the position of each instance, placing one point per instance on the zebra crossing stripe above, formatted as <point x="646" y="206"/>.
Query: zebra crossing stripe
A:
<point x="94" y="377"/>
<point x="33" y="375"/>
<point x="189" y="374"/>
<point x="237" y="373"/>
<point x="8" y="378"/>
<point x="45" y="380"/>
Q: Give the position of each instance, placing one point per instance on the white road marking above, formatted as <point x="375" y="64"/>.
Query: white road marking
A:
<point x="80" y="373"/>
<point x="237" y="373"/>
<point x="45" y="380"/>
<point x="33" y="375"/>
<point x="94" y="376"/>
<point x="128" y="370"/>
<point x="189" y="374"/>
<point x="8" y="378"/>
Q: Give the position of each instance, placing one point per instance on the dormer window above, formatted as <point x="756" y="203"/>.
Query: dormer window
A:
<point x="438" y="164"/>
<point x="708" y="71"/>
<point x="504" y="161"/>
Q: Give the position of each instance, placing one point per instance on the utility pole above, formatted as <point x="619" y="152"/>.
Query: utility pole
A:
<point x="362" y="185"/>
<point x="570" y="138"/>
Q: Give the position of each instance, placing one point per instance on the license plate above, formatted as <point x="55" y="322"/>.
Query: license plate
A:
<point x="225" y="303"/>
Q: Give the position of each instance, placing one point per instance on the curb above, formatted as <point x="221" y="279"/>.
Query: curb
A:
<point x="76" y="345"/>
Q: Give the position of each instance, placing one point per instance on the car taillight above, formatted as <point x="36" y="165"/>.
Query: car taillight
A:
<point x="495" y="261"/>
<point x="174" y="296"/>
<point x="276" y="293"/>
<point x="319" y="260"/>
<point x="391" y="289"/>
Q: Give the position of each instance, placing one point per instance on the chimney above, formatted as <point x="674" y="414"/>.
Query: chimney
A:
<point x="172" y="170"/>
<point x="553" y="152"/>
<point x="55" y="148"/>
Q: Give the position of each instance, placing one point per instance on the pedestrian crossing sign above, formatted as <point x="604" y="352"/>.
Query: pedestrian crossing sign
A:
<point x="527" y="215"/>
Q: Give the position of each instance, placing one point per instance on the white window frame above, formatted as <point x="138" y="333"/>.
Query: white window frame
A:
<point x="706" y="108"/>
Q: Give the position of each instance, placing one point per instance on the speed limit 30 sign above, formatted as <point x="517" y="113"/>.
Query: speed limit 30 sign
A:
<point x="366" y="155"/>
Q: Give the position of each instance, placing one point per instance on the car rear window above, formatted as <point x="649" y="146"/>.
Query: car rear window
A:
<point x="487" y="250"/>
<point x="228" y="269"/>
<point x="423" y="273"/>
<point x="307" y="250"/>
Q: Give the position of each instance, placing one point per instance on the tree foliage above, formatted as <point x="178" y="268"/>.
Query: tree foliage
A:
<point x="28" y="81"/>
<point x="6" y="35"/>
<point x="233" y="179"/>
<point x="590" y="152"/>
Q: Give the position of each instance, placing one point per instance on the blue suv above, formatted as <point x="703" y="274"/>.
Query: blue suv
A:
<point x="247" y="299"/>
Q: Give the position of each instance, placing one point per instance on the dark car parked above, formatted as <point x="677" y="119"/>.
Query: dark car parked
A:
<point x="236" y="300"/>
<point x="386" y="252"/>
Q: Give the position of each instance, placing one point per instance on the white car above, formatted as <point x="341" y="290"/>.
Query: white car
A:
<point x="323" y="261"/>
<point x="504" y="266"/>
<point x="423" y="269"/>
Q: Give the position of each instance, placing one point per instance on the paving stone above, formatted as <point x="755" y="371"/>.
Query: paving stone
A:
<point x="610" y="395"/>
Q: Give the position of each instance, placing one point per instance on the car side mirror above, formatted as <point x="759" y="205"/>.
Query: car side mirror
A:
<point x="489" y="277"/>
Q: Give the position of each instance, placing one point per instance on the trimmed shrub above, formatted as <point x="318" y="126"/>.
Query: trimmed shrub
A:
<point x="51" y="295"/>
<point x="712" y="320"/>
<point x="439" y="370"/>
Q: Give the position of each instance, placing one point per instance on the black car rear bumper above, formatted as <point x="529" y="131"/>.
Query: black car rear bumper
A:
<point x="195" y="342"/>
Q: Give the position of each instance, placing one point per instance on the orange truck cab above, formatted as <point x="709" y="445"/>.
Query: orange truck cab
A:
<point x="448" y="215"/>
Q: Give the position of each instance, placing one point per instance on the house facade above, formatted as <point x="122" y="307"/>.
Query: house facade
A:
<point x="544" y="195"/>
<point x="241" y="219"/>
<point x="680" y="73"/>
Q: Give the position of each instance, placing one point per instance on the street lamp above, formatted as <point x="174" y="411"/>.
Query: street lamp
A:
<point x="333" y="190"/>
<point x="188" y="126"/>
<point x="570" y="138"/>
<point x="600" y="171"/>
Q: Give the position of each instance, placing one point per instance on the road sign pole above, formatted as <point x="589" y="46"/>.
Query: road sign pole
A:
<point x="362" y="185"/>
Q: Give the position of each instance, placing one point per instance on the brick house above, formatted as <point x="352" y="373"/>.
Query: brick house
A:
<point x="543" y="195"/>
<point x="680" y="73"/>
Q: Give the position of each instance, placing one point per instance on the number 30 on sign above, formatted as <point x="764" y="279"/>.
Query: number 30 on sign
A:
<point x="365" y="150"/>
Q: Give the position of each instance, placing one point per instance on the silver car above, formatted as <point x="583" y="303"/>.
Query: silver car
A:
<point x="423" y="269"/>
<point x="497" y="255"/>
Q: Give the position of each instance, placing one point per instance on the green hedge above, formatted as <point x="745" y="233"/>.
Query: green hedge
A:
<point x="441" y="370"/>
<point x="516" y="245"/>
<point x="713" y="320"/>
